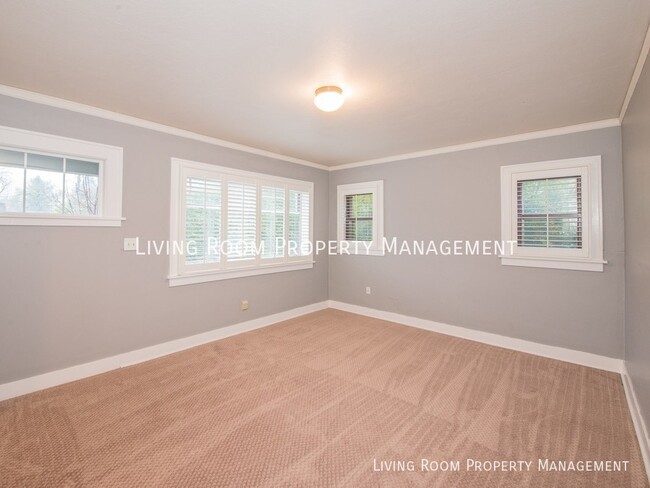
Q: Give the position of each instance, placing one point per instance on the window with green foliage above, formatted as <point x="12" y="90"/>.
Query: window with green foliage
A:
<point x="236" y="223"/>
<point x="358" y="217"/>
<point x="360" y="220"/>
<point x="549" y="213"/>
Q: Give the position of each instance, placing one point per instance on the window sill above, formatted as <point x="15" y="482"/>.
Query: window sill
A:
<point x="60" y="220"/>
<point x="362" y="252"/>
<point x="571" y="264"/>
<point x="204" y="277"/>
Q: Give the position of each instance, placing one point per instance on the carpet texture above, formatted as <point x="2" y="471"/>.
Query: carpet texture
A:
<point x="328" y="399"/>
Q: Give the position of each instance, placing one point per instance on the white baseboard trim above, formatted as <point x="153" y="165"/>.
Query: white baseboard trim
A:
<point x="553" y="352"/>
<point x="73" y="373"/>
<point x="637" y="419"/>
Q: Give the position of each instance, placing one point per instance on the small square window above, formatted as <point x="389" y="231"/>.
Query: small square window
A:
<point x="548" y="214"/>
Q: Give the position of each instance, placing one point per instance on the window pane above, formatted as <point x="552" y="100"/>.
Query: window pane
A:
<point x="45" y="184"/>
<point x="364" y="230"/>
<point x="12" y="175"/>
<point x="272" y="225"/>
<point x="549" y="213"/>
<point x="299" y="211"/>
<point x="11" y="189"/>
<point x="202" y="220"/>
<point x="359" y="206"/>
<point x="44" y="190"/>
<point x="242" y="217"/>
<point x="562" y="195"/>
<point x="81" y="194"/>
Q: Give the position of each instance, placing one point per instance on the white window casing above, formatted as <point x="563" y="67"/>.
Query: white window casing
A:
<point x="347" y="243"/>
<point x="73" y="152"/>
<point x="584" y="251"/>
<point x="240" y="210"/>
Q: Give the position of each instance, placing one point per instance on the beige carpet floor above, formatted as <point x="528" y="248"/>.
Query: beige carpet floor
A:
<point x="322" y="401"/>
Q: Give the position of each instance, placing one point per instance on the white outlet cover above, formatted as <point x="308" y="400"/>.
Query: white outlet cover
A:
<point x="130" y="243"/>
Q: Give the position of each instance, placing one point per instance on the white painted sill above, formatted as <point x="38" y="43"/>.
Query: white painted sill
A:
<point x="362" y="252"/>
<point x="204" y="277"/>
<point x="555" y="263"/>
<point x="60" y="220"/>
<point x="358" y="250"/>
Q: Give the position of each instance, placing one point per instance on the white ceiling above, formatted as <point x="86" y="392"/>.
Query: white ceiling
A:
<point x="418" y="74"/>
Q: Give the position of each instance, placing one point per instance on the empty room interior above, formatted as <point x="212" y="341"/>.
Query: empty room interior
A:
<point x="325" y="244"/>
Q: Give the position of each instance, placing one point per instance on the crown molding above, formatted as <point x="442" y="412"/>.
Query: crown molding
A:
<point x="42" y="99"/>
<point x="526" y="136"/>
<point x="643" y="55"/>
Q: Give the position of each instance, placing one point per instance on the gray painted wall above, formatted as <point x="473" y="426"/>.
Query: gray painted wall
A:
<point x="71" y="295"/>
<point x="636" y="171"/>
<point x="457" y="196"/>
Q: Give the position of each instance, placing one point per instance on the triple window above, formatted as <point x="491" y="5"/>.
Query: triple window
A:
<point x="52" y="180"/>
<point x="228" y="223"/>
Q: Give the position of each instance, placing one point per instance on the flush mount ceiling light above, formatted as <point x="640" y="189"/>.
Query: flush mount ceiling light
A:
<point x="328" y="98"/>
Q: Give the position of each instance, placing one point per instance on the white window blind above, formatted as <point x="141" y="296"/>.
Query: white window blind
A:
<point x="299" y="228"/>
<point x="203" y="219"/>
<point x="272" y="225"/>
<point x="242" y="221"/>
<point x="549" y="212"/>
<point x="235" y="223"/>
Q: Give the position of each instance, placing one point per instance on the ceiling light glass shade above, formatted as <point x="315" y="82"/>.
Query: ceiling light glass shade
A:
<point x="329" y="98"/>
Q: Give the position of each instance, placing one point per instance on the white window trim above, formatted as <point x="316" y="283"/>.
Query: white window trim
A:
<point x="110" y="177"/>
<point x="359" y="247"/>
<point x="179" y="275"/>
<point x="590" y="257"/>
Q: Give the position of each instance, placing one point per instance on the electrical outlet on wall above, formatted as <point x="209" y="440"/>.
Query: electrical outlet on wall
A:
<point x="244" y="305"/>
<point x="368" y="290"/>
<point x="130" y="243"/>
